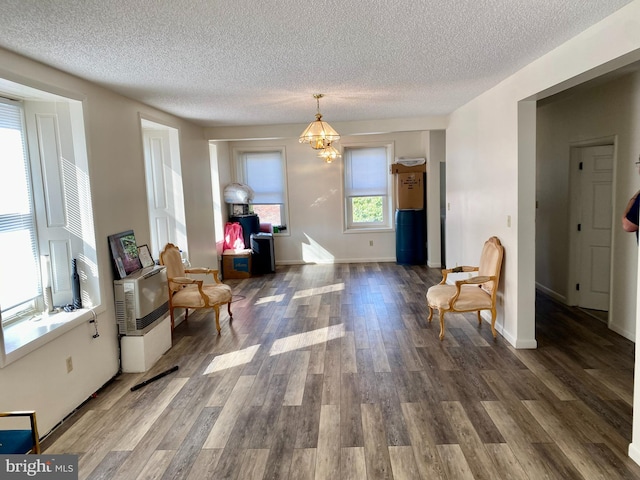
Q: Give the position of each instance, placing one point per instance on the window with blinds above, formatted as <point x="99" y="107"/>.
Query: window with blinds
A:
<point x="20" y="282"/>
<point x="46" y="218"/>
<point x="367" y="187"/>
<point x="264" y="172"/>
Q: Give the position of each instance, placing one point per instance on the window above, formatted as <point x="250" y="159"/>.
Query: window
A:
<point x="165" y="196"/>
<point x="264" y="172"/>
<point x="367" y="187"/>
<point x="20" y="284"/>
<point x="46" y="219"/>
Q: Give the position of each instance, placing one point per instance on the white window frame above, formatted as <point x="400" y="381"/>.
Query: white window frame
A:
<point x="63" y="212"/>
<point x="165" y="194"/>
<point x="241" y="177"/>
<point x="387" y="202"/>
<point x="33" y="305"/>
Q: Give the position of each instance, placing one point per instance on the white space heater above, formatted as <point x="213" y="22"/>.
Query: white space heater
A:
<point x="141" y="300"/>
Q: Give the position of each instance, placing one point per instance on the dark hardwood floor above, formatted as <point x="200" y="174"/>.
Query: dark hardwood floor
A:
<point x="332" y="372"/>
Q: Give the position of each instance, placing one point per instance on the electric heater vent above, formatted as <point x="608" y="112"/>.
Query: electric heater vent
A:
<point x="141" y="299"/>
<point x="144" y="322"/>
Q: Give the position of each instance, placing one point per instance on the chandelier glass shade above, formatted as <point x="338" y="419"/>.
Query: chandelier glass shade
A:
<point x="319" y="134"/>
<point x="329" y="153"/>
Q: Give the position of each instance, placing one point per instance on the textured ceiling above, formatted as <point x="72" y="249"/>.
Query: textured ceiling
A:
<point x="252" y="62"/>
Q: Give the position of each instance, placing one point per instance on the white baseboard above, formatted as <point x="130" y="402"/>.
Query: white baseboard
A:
<point x="531" y="344"/>
<point x="338" y="260"/>
<point x="519" y="344"/>
<point x="563" y="299"/>
<point x="552" y="293"/>
<point x="634" y="452"/>
<point x="621" y="331"/>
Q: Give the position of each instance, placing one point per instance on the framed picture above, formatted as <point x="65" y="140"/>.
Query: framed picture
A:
<point x="124" y="252"/>
<point x="145" y="256"/>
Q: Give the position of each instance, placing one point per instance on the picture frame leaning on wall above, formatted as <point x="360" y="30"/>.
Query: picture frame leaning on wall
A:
<point x="145" y="256"/>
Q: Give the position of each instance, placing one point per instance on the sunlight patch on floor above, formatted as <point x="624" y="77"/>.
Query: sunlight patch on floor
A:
<point x="303" y="340"/>
<point x="233" y="359"/>
<point x="282" y="345"/>
<point x="336" y="287"/>
<point x="272" y="298"/>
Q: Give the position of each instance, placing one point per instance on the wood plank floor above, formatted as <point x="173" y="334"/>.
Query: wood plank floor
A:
<point x="332" y="372"/>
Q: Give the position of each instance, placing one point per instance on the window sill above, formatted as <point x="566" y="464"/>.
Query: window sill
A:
<point x="384" y="229"/>
<point x="22" y="338"/>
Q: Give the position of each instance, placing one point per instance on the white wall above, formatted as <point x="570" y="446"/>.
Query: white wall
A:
<point x="39" y="380"/>
<point x="436" y="157"/>
<point x="491" y="166"/>
<point x="491" y="160"/>
<point x="315" y="232"/>
<point x="220" y="176"/>
<point x="602" y="111"/>
<point x="198" y="196"/>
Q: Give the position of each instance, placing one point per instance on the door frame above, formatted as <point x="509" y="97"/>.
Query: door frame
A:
<point x="574" y="206"/>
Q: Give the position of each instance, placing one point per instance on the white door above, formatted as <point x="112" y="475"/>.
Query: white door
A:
<point x="595" y="222"/>
<point x="164" y="191"/>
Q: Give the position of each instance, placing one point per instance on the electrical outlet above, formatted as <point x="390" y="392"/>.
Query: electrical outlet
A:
<point x="371" y="243"/>
<point x="69" y="364"/>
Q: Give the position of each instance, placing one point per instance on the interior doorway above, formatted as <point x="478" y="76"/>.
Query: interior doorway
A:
<point x="591" y="223"/>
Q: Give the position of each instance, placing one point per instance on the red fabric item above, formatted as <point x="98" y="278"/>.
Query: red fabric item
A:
<point x="233" y="238"/>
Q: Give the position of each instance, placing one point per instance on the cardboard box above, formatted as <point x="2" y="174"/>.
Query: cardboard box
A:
<point x="409" y="186"/>
<point x="399" y="168"/>
<point x="236" y="264"/>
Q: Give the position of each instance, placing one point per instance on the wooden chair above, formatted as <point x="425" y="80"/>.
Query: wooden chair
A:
<point x="14" y="442"/>
<point x="185" y="292"/>
<point x="472" y="294"/>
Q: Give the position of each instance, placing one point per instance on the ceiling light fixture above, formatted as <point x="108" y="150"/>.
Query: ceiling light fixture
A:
<point x="319" y="134"/>
<point x="330" y="153"/>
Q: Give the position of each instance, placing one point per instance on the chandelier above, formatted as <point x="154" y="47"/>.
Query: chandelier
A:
<point x="319" y="134"/>
<point x="329" y="153"/>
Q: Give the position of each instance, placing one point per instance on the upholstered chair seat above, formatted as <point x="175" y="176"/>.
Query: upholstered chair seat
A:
<point x="472" y="294"/>
<point x="186" y="292"/>
<point x="471" y="297"/>
<point x="190" y="295"/>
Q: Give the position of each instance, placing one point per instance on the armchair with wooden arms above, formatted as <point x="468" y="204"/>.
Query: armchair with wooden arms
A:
<point x="13" y="442"/>
<point x="472" y="294"/>
<point x="185" y="292"/>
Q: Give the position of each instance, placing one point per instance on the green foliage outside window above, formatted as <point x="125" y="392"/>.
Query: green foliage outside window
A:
<point x="367" y="209"/>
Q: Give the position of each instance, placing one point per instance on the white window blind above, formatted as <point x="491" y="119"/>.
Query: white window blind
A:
<point x="19" y="266"/>
<point x="366" y="172"/>
<point x="263" y="172"/>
